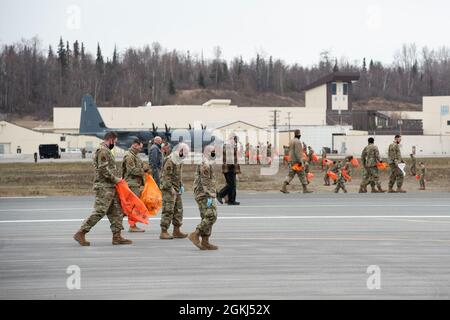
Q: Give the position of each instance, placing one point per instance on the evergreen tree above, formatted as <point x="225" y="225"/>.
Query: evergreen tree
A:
<point x="201" y="80"/>
<point x="172" y="90"/>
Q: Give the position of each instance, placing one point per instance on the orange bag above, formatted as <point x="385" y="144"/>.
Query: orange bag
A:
<point x="355" y="162"/>
<point x="131" y="205"/>
<point x="417" y="176"/>
<point x="382" y="165"/>
<point x="332" y="175"/>
<point x="286" y="158"/>
<point x="315" y="158"/>
<point x="347" y="177"/>
<point x="310" y="176"/>
<point x="151" y="196"/>
<point x="297" y="167"/>
<point x="327" y="162"/>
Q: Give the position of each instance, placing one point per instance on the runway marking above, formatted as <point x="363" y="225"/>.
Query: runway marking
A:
<point x="29" y="197"/>
<point x="252" y="218"/>
<point x="258" y="207"/>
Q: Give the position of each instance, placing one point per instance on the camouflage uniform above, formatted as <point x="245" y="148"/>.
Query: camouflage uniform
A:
<point x="106" y="199"/>
<point x="296" y="157"/>
<point x="172" y="211"/>
<point x="326" y="178"/>
<point x="133" y="171"/>
<point x="395" y="158"/>
<point x="369" y="158"/>
<point x="422" y="173"/>
<point x="204" y="189"/>
<point x="340" y="182"/>
<point x="335" y="168"/>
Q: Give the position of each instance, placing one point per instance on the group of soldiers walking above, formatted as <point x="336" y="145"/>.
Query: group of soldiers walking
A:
<point x="171" y="185"/>
<point x="300" y="160"/>
<point x="167" y="170"/>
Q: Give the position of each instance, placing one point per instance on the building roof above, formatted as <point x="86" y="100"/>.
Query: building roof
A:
<point x="333" y="77"/>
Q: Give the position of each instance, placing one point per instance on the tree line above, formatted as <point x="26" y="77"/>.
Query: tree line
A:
<point x="33" y="79"/>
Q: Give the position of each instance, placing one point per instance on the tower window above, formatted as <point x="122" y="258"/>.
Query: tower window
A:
<point x="345" y="89"/>
<point x="334" y="88"/>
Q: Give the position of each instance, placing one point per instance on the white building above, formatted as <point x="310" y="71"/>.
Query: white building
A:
<point x="18" y="140"/>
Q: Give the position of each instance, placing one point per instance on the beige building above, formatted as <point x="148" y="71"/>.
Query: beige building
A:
<point x="177" y="116"/>
<point x="18" y="140"/>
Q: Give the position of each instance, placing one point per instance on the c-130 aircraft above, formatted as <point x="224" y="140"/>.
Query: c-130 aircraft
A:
<point x="92" y="124"/>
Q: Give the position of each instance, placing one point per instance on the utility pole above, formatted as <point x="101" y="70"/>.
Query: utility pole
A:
<point x="289" y="124"/>
<point x="275" y="126"/>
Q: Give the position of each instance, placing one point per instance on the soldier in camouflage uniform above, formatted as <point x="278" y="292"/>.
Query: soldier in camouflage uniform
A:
<point x="369" y="158"/>
<point x="340" y="182"/>
<point x="326" y="177"/>
<point x="106" y="199"/>
<point x="296" y="156"/>
<point x="394" y="159"/>
<point x="335" y="168"/>
<point x="133" y="171"/>
<point x="172" y="188"/>
<point x="205" y="194"/>
<point x="422" y="173"/>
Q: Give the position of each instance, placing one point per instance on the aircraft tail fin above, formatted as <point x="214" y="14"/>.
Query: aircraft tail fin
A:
<point x="91" y="121"/>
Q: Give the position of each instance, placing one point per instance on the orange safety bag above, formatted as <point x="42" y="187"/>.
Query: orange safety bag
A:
<point x="131" y="205"/>
<point x="287" y="158"/>
<point x="417" y="176"/>
<point x="315" y="158"/>
<point x="327" y="162"/>
<point x="355" y="162"/>
<point x="151" y="196"/>
<point x="297" y="167"/>
<point x="382" y="165"/>
<point x="346" y="176"/>
<point x="332" y="175"/>
<point x="310" y="176"/>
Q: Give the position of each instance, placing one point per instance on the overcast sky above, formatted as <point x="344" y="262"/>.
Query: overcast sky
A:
<point x="293" y="30"/>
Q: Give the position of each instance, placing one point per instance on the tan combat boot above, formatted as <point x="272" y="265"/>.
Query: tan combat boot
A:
<point x="135" y="228"/>
<point x="206" y="245"/>
<point x="165" y="235"/>
<point x="305" y="189"/>
<point x="177" y="234"/>
<point x="380" y="190"/>
<point x="284" y="188"/>
<point x="362" y="189"/>
<point x="391" y="190"/>
<point x="118" y="240"/>
<point x="81" y="239"/>
<point x="195" y="239"/>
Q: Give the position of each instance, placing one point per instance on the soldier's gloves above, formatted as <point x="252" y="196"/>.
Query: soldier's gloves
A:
<point x="117" y="180"/>
<point x="210" y="202"/>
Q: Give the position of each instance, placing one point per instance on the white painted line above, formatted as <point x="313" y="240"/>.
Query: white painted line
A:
<point x="253" y="218"/>
<point x="36" y="197"/>
<point x="257" y="207"/>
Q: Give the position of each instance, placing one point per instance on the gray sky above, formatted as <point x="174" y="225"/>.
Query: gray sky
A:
<point x="293" y="30"/>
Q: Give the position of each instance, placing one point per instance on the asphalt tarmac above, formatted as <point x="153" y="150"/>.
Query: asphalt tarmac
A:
<point x="273" y="246"/>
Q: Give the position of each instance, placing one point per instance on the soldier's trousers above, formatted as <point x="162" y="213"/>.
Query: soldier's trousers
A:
<point x="396" y="176"/>
<point x="422" y="182"/>
<point x="340" y="185"/>
<point x="301" y="176"/>
<point x="326" y="179"/>
<point x="370" y="176"/>
<point x="172" y="210"/>
<point x="208" y="215"/>
<point x="106" y="203"/>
